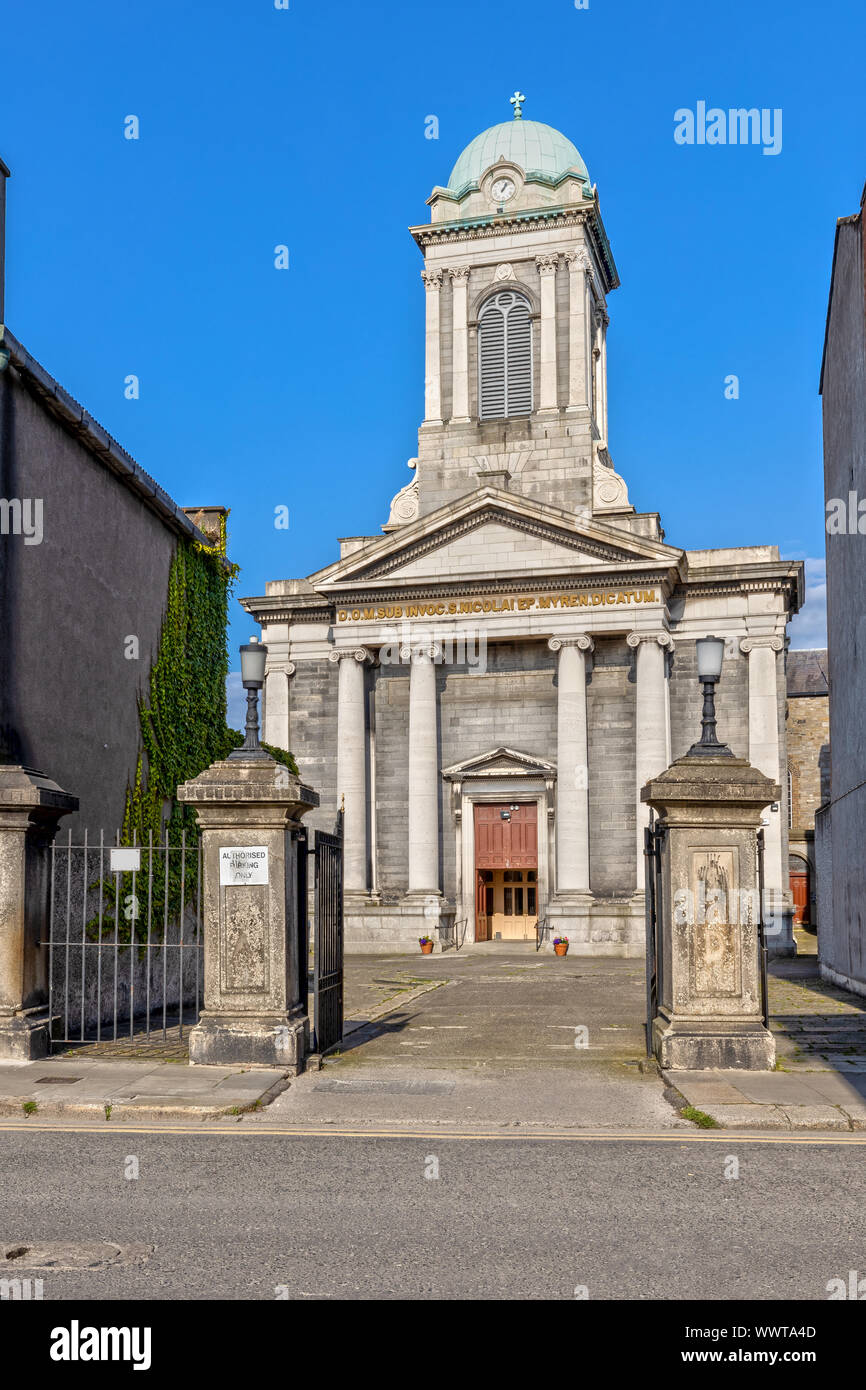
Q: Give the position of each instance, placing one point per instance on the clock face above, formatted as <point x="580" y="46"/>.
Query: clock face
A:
<point x="502" y="189"/>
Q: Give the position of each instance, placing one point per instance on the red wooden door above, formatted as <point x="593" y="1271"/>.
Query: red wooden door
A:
<point x="506" y="835"/>
<point x="482" y="917"/>
<point x="799" y="881"/>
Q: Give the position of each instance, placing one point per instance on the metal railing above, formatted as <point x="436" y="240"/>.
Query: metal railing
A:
<point x="125" y="948"/>
<point x="542" y="929"/>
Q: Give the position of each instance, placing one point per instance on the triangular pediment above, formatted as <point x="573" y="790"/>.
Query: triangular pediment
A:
<point x="493" y="532"/>
<point x="501" y="762"/>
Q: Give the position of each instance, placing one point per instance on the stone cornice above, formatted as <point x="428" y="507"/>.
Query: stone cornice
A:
<point x="283" y="609"/>
<point x="507" y="224"/>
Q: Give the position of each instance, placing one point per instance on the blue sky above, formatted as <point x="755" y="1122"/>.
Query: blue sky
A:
<point x="306" y="127"/>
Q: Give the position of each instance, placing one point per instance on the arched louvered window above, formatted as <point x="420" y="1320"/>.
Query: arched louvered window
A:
<point x="505" y="356"/>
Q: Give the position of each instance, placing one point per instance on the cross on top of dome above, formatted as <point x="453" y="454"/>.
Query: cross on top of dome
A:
<point x="517" y="102"/>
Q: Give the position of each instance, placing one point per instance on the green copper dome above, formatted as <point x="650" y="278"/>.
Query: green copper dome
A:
<point x="536" y="148"/>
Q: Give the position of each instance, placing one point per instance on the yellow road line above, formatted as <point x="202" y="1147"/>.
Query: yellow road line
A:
<point x="727" y="1136"/>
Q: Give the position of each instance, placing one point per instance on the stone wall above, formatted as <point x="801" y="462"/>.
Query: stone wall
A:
<point x="68" y="695"/>
<point x="842" y="934"/>
<point x="808" y="758"/>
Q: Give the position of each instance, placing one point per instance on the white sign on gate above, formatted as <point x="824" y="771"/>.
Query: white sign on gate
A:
<point x="241" y="864"/>
<point x="124" y="861"/>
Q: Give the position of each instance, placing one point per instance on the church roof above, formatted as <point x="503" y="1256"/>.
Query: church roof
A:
<point x="535" y="147"/>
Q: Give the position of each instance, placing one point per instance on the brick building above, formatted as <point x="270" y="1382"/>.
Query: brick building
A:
<point x="488" y="684"/>
<point x="808" y="730"/>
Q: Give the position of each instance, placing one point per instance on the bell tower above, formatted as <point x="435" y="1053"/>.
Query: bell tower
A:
<point x="517" y="270"/>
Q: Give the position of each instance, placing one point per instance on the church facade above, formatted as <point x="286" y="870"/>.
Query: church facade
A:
<point x="487" y="685"/>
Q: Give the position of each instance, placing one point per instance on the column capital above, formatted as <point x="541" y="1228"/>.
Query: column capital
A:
<point x="361" y="654"/>
<point x="664" y="639"/>
<point x="458" y="273"/>
<point x="577" y="261"/>
<point x="432" y="279"/>
<point x="421" y="651"/>
<point x="547" y="264"/>
<point x="749" y="644"/>
<point x="581" y="640"/>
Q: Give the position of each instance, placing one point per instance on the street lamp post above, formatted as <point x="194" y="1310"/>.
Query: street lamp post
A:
<point x="254" y="656"/>
<point x="710" y="652"/>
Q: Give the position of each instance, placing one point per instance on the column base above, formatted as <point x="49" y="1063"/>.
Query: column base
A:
<point x="569" y="913"/>
<point x="691" y="1044"/>
<point x="25" y="1036"/>
<point x="395" y="928"/>
<point x="596" y="926"/>
<point x="268" y="1040"/>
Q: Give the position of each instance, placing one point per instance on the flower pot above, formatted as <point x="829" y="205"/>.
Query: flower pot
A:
<point x="561" y="948"/>
<point x="427" y="948"/>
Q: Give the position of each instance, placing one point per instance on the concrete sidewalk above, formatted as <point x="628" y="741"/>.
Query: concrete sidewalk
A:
<point x="117" y="1090"/>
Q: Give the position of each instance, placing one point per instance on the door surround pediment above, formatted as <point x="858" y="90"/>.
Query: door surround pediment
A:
<point x="501" y="762"/>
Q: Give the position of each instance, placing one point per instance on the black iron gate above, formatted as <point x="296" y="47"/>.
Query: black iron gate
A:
<point x="653" y="836"/>
<point x="327" y="854"/>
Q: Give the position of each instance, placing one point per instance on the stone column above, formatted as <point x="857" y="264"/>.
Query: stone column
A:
<point x="572" y="764"/>
<point x="707" y="961"/>
<point x="432" y="357"/>
<point x="764" y="754"/>
<point x="602" y="373"/>
<point x="254" y="1008"/>
<point x="578" y="266"/>
<point x="547" y="352"/>
<point x="588" y="336"/>
<point x="460" y="344"/>
<point x="423" y="770"/>
<point x="352" y="763"/>
<point x="30" y="807"/>
<point x="652" y="736"/>
<point x="276" y="705"/>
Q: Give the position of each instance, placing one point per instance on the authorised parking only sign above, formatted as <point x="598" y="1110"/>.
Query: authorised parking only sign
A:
<point x="241" y="864"/>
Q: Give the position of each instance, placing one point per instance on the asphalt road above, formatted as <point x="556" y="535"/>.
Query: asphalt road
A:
<point x="235" y="1216"/>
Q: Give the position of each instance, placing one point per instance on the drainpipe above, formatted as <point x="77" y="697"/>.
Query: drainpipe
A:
<point x="4" y="175"/>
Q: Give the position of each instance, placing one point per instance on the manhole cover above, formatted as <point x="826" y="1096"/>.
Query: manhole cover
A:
<point x="68" y="1254"/>
<point x="56" y="1080"/>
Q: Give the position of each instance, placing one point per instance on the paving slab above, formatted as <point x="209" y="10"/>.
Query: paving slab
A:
<point x="816" y="1117"/>
<point x="748" y="1116"/>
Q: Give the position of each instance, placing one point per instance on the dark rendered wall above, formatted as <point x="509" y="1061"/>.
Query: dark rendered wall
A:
<point x="842" y="932"/>
<point x="68" y="696"/>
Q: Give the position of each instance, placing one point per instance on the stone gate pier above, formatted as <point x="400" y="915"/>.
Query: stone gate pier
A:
<point x="255" y="985"/>
<point x="710" y="1011"/>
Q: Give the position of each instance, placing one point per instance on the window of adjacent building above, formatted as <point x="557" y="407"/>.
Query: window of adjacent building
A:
<point x="505" y="356"/>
